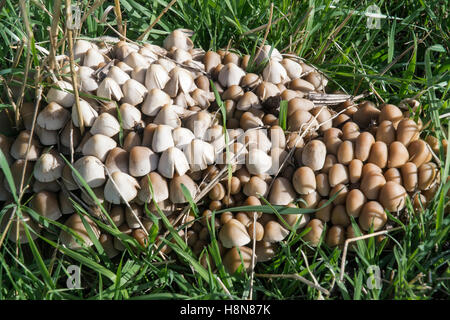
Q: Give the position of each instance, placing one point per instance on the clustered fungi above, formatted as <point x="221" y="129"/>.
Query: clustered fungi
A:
<point x="158" y="121"/>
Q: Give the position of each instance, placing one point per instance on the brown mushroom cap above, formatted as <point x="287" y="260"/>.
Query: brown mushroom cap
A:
<point x="393" y="196"/>
<point x="379" y="154"/>
<point x="257" y="229"/>
<point x="407" y="131"/>
<point x="313" y="154"/>
<point x="386" y="132"/>
<point x="372" y="214"/>
<point x="392" y="113"/>
<point x="304" y="181"/>
<point x="256" y="186"/>
<point x="354" y="202"/>
<point x="345" y="152"/>
<point x="393" y="174"/>
<point x="313" y="236"/>
<point x="274" y="232"/>
<point x="232" y="259"/>
<point x="428" y="173"/>
<point x="419" y="152"/>
<point x="282" y="192"/>
<point x="363" y="145"/>
<point x="176" y="194"/>
<point x="335" y="236"/>
<point x="338" y="174"/>
<point x="76" y="224"/>
<point x="265" y="251"/>
<point x="20" y="145"/>
<point x="233" y="234"/>
<point x="371" y="184"/>
<point x="46" y="204"/>
<point x="398" y="155"/>
<point x="339" y="216"/>
<point x="409" y="176"/>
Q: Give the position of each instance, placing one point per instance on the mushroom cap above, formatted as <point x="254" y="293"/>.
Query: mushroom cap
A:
<point x="182" y="137"/>
<point x="335" y="236"/>
<point x="233" y="234"/>
<point x="409" y="176"/>
<point x="49" y="167"/>
<point x="76" y="224"/>
<point x="313" y="236"/>
<point x="109" y="89"/>
<point x="428" y="174"/>
<point x="255" y="186"/>
<point x="46" y="204"/>
<point x="87" y="112"/>
<point x="142" y="160"/>
<point x="117" y="160"/>
<point x="274" y="232"/>
<point x="265" y="251"/>
<point x="162" y="138"/>
<point x="372" y="214"/>
<point x="363" y="145"/>
<point x="133" y="92"/>
<point x="105" y="124"/>
<point x="92" y="58"/>
<point x="379" y="154"/>
<point x="407" y="131"/>
<point x="91" y="170"/>
<point x="354" y="202"/>
<point x="419" y="152"/>
<point x="371" y="184"/>
<point x="156" y="77"/>
<point x="53" y="117"/>
<point x="118" y="75"/>
<point x="154" y="101"/>
<point x="173" y="161"/>
<point x="258" y="162"/>
<point x="232" y="259"/>
<point x="282" y="192"/>
<point x="275" y="72"/>
<point x="126" y="190"/>
<point x="398" y="155"/>
<point x="176" y="194"/>
<point x="345" y="152"/>
<point x="20" y="145"/>
<point x="313" y="154"/>
<point x="131" y="116"/>
<point x="386" y="132"/>
<point x="181" y="80"/>
<point x="393" y="196"/>
<point x="98" y="145"/>
<point x="178" y="38"/>
<point x="199" y="154"/>
<point x="168" y="116"/>
<point x="304" y="180"/>
<point x="293" y="69"/>
<point x="160" y="188"/>
<point x="61" y="94"/>
<point x="230" y="75"/>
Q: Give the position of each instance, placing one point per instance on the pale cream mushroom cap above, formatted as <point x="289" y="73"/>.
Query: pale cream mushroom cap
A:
<point x="162" y="138"/>
<point x="93" y="58"/>
<point x="181" y="80"/>
<point x="133" y="92"/>
<point x="109" y="89"/>
<point x="167" y="115"/>
<point x="118" y="75"/>
<point x="258" y="162"/>
<point x="156" y="77"/>
<point x="160" y="188"/>
<point x="282" y="192"/>
<point x="293" y="69"/>
<point x="87" y="112"/>
<point x="98" y="146"/>
<point x="178" y="38"/>
<point x="117" y="160"/>
<point x="20" y="145"/>
<point x="131" y="116"/>
<point x="230" y="75"/>
<point x="61" y="96"/>
<point x="199" y="154"/>
<point x="172" y="161"/>
<point x="105" y="124"/>
<point x="124" y="188"/>
<point x="304" y="180"/>
<point x="48" y="167"/>
<point x="142" y="161"/>
<point x="91" y="170"/>
<point x="275" y="72"/>
<point x="86" y="80"/>
<point x="53" y="117"/>
<point x="182" y="137"/>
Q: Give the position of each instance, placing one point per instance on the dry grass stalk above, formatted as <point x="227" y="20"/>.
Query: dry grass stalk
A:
<point x="150" y="27"/>
<point x="295" y="277"/>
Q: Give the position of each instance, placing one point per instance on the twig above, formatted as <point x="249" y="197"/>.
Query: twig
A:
<point x="54" y="33"/>
<point x="310" y="273"/>
<point x="252" y="275"/>
<point x="344" y="252"/>
<point x="295" y="277"/>
<point x="72" y="68"/>
<point x="224" y="288"/>
<point x="150" y="27"/>
<point x="118" y="13"/>
<point x="265" y="25"/>
<point x="266" y="34"/>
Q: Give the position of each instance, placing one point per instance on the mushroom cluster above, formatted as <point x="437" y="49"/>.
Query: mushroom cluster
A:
<point x="147" y="117"/>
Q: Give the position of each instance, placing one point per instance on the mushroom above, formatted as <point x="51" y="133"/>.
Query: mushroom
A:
<point x="156" y="77"/>
<point x="313" y="154"/>
<point x="131" y="116"/>
<point x="409" y="176"/>
<point x="75" y="223"/>
<point x="233" y="234"/>
<point x="19" y="147"/>
<point x="87" y="112"/>
<point x="419" y="152"/>
<point x="117" y="160"/>
<point x="118" y="75"/>
<point x="107" y="242"/>
<point x="338" y="174"/>
<point x="109" y="89"/>
<point x="393" y="196"/>
<point x="182" y="137"/>
<point x="407" y="131"/>
<point x="176" y="194"/>
<point x="91" y="170"/>
<point x="293" y="69"/>
<point x="178" y="38"/>
<point x="168" y="116"/>
<point x="162" y="138"/>
<point x="160" y="188"/>
<point x="173" y="161"/>
<point x="427" y="175"/>
<point x="372" y="215"/>
<point x="93" y="58"/>
<point x="354" y="202"/>
<point x="199" y="154"/>
<point x="105" y="124"/>
<point x="371" y="184"/>
<point x="275" y="72"/>
<point x="255" y="187"/>
<point x="379" y="154"/>
<point x="154" y="101"/>
<point x="53" y="117"/>
<point x="335" y="236"/>
<point x="133" y="92"/>
<point x="386" y="132"/>
<point x="282" y="192"/>
<point x="258" y="162"/>
<point x="120" y="187"/>
<point x="304" y="181"/>
<point x="315" y="233"/>
<point x="61" y="94"/>
<point x="46" y="204"/>
<point x="232" y="259"/>
<point x="181" y="80"/>
<point x="230" y="75"/>
<point x="363" y="145"/>
<point x="274" y="232"/>
<point x="49" y="167"/>
<point x="98" y="145"/>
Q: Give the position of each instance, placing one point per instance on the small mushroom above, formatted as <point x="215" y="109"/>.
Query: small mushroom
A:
<point x="176" y="194"/>
<point x="393" y="196"/>
<point x="49" y="167"/>
<point x="91" y="170"/>
<point x="304" y="181"/>
<point x="379" y="154"/>
<point x="120" y="187"/>
<point x="98" y="146"/>
<point x="232" y="259"/>
<point x="354" y="202"/>
<point x="372" y="215"/>
<point x="75" y="223"/>
<point x="172" y="161"/>
<point x="315" y="233"/>
<point x="313" y="154"/>
<point x="335" y="236"/>
<point x="363" y="145"/>
<point x="282" y="192"/>
<point x="105" y="124"/>
<point x="19" y="147"/>
<point x="233" y="234"/>
<point x="46" y="204"/>
<point x="398" y="155"/>
<point x="371" y="184"/>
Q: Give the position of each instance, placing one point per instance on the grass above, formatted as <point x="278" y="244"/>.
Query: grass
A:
<point x="406" y="57"/>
